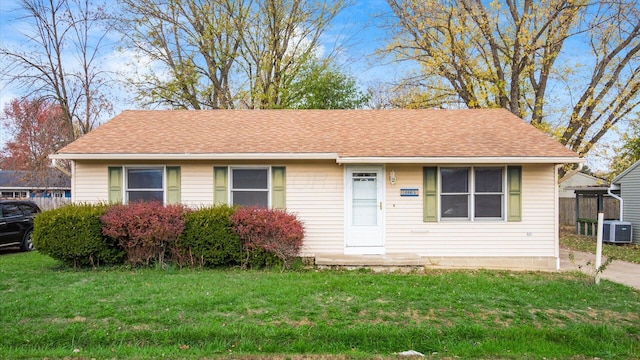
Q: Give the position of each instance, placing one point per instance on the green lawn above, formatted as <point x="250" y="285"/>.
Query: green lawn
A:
<point x="50" y="312"/>
<point x="625" y="252"/>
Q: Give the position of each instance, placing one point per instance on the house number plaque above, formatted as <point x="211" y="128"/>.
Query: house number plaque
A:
<point x="409" y="192"/>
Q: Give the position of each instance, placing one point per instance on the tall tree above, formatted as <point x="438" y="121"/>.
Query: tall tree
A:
<point x="222" y="53"/>
<point x="57" y="59"/>
<point x="197" y="44"/>
<point x="323" y="86"/>
<point x="281" y="39"/>
<point x="505" y="54"/>
<point x="38" y="128"/>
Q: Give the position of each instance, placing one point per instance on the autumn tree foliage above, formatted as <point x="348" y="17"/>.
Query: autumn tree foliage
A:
<point x="222" y="54"/>
<point x="627" y="152"/>
<point x="38" y="128"/>
<point x="570" y="67"/>
<point x="57" y="56"/>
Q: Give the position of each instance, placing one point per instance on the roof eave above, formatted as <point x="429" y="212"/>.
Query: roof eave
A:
<point x="192" y="156"/>
<point x="329" y="156"/>
<point x="461" y="160"/>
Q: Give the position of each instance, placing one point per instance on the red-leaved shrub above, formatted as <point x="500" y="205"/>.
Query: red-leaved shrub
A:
<point x="274" y="231"/>
<point x="145" y="230"/>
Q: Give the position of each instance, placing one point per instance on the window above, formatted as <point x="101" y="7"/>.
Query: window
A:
<point x="144" y="184"/>
<point x="250" y="187"/>
<point x="56" y="194"/>
<point x="14" y="194"/>
<point x="28" y="209"/>
<point x="11" y="210"/>
<point x="455" y="192"/>
<point x="489" y="193"/>
<point x="476" y="193"/>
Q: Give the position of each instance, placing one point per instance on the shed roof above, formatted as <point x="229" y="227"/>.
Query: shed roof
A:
<point x="338" y="134"/>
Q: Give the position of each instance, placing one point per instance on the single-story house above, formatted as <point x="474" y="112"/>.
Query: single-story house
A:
<point x="629" y="184"/>
<point x="467" y="188"/>
<point x="26" y="184"/>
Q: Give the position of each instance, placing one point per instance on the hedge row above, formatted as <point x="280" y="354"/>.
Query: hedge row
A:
<point x="144" y="234"/>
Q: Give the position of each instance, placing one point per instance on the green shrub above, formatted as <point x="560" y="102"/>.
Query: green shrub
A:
<point x="208" y="238"/>
<point x="73" y="235"/>
<point x="258" y="259"/>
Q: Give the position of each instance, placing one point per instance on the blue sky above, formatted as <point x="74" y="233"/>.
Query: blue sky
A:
<point x="355" y="30"/>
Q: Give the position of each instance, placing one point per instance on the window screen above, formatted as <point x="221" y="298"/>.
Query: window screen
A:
<point x="250" y="187"/>
<point x="145" y="184"/>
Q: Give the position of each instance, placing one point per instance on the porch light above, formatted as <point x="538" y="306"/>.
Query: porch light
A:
<point x="392" y="177"/>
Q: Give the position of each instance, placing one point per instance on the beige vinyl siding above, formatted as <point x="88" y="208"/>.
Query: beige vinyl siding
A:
<point x="533" y="236"/>
<point x="197" y="184"/>
<point x="91" y="182"/>
<point x="315" y="193"/>
<point x="630" y="193"/>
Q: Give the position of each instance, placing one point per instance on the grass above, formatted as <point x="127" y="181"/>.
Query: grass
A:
<point x="46" y="311"/>
<point x="624" y="252"/>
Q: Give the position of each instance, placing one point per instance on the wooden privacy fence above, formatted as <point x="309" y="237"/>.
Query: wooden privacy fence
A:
<point x="50" y="203"/>
<point x="588" y="209"/>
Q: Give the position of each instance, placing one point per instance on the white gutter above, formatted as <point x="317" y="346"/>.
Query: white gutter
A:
<point x="556" y="212"/>
<point x="616" y="187"/>
<point x="190" y="156"/>
<point x="57" y="166"/>
<point x="324" y="156"/>
<point x="572" y="172"/>
<point x="459" y="160"/>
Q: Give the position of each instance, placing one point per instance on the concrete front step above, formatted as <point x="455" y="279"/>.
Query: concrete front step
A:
<point x="370" y="260"/>
<point x="414" y="261"/>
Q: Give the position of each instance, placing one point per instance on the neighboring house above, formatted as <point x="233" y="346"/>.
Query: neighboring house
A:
<point x="629" y="183"/>
<point x="587" y="186"/>
<point x="578" y="180"/>
<point x="468" y="188"/>
<point x="24" y="184"/>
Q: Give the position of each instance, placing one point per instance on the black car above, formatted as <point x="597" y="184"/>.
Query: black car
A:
<point x="16" y="223"/>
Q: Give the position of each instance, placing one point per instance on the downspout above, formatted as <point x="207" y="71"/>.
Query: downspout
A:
<point x="571" y="173"/>
<point x="616" y="187"/>
<point x="556" y="210"/>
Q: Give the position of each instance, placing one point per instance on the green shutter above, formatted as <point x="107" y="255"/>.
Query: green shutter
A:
<point x="115" y="184"/>
<point x="430" y="191"/>
<point x="278" y="188"/>
<point x="220" y="185"/>
<point x="173" y="185"/>
<point x="514" y="196"/>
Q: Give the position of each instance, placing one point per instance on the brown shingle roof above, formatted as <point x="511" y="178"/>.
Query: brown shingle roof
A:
<point x="349" y="133"/>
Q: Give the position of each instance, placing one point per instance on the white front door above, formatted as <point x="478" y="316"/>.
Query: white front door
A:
<point x="365" y="222"/>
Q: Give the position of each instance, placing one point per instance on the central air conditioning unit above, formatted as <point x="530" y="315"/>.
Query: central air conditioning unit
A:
<point x="615" y="231"/>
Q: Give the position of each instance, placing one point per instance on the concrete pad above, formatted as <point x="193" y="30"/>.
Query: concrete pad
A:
<point x="619" y="271"/>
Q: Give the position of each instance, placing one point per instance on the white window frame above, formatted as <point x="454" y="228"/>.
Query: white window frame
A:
<point x="471" y="194"/>
<point x="250" y="167"/>
<point x="125" y="186"/>
<point x="57" y="194"/>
